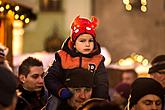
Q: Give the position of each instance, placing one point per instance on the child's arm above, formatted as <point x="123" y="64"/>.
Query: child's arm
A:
<point x="54" y="80"/>
<point x="101" y="82"/>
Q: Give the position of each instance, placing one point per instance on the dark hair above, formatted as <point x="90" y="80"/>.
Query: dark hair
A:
<point x="24" y="68"/>
<point x="158" y="59"/>
<point x="158" y="64"/>
<point x="8" y="85"/>
<point x="98" y="104"/>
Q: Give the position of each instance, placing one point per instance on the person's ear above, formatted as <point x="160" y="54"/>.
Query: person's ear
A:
<point x="22" y="78"/>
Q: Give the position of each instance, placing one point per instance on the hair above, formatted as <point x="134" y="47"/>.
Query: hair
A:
<point x="98" y="104"/>
<point x="158" y="59"/>
<point x="24" y="68"/>
<point x="8" y="87"/>
<point x="133" y="72"/>
<point x="158" y="64"/>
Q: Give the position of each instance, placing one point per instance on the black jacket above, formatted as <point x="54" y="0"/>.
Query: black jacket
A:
<point x="31" y="100"/>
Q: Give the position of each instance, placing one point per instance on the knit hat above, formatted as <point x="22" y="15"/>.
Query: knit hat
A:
<point x="8" y="84"/>
<point x="145" y="86"/>
<point x="79" y="78"/>
<point x="158" y="64"/>
<point x="123" y="89"/>
<point x="82" y="26"/>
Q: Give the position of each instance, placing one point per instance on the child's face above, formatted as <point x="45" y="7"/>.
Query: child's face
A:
<point x="84" y="43"/>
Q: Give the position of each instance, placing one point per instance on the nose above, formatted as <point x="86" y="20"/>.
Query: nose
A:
<point x="82" y="95"/>
<point x="154" y="106"/>
<point x="87" y="43"/>
<point x="41" y="80"/>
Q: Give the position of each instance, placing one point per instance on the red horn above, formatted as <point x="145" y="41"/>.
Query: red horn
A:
<point x="94" y="21"/>
<point x="75" y="22"/>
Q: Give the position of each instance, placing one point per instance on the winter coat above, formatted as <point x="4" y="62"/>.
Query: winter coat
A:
<point x="31" y="100"/>
<point x="68" y="59"/>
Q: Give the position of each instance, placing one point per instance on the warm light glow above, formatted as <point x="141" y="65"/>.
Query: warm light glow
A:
<point x="10" y="12"/>
<point x="144" y="2"/>
<point x="27" y="20"/>
<point x="16" y="8"/>
<point x="1" y="9"/>
<point x="139" y="58"/>
<point x="128" y="7"/>
<point x="143" y="8"/>
<point x="22" y="17"/>
<point x="142" y="71"/>
<point x="7" y="6"/>
<point x="145" y="62"/>
<point x="16" y="16"/>
<point x="0" y="2"/>
<point x="126" y="2"/>
<point x="126" y="62"/>
<point x="121" y="61"/>
<point x="17" y="41"/>
<point x="18" y="24"/>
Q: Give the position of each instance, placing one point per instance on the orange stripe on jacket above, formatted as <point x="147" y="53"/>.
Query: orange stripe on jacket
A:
<point x="69" y="62"/>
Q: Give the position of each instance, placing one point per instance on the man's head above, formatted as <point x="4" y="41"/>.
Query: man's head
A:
<point x="157" y="69"/>
<point x="121" y="94"/>
<point x="146" y="94"/>
<point x="80" y="83"/>
<point x="128" y="76"/>
<point x="8" y="84"/>
<point x="31" y="74"/>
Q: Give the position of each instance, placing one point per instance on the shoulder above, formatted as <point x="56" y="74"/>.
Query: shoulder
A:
<point x="22" y="104"/>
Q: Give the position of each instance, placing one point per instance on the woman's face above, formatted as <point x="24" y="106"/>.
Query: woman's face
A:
<point x="148" y="102"/>
<point x="84" y="44"/>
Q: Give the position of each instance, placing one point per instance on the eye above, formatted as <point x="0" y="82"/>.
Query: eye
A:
<point x="159" y="102"/>
<point x="148" y="102"/>
<point x="42" y="74"/>
<point x="83" y="40"/>
<point x="76" y="90"/>
<point x="91" y="40"/>
<point x="87" y="89"/>
<point x="35" y="76"/>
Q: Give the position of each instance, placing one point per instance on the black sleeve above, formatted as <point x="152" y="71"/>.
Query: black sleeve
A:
<point x="101" y="82"/>
<point x="54" y="77"/>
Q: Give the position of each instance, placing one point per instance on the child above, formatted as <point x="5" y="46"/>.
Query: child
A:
<point x="80" y="50"/>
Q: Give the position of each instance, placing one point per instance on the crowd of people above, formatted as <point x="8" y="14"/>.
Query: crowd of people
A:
<point x="78" y="79"/>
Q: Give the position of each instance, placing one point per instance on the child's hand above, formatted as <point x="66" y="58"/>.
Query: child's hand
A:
<point x="65" y="93"/>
